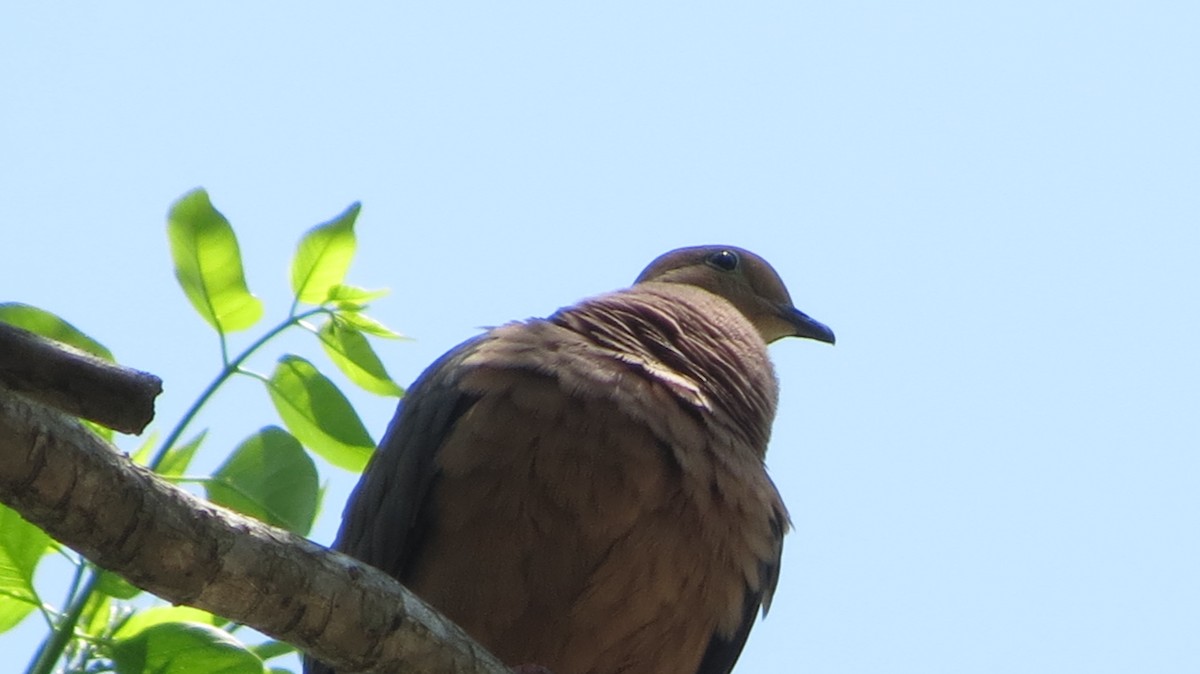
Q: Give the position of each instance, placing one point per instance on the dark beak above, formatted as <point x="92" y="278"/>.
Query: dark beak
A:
<point x="808" y="327"/>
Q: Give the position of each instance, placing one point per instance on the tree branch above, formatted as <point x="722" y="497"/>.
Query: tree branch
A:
<point x="84" y="493"/>
<point x="75" y="382"/>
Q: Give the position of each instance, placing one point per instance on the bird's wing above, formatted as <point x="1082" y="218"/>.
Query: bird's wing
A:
<point x="385" y="517"/>
<point x="384" y="520"/>
<point x="722" y="651"/>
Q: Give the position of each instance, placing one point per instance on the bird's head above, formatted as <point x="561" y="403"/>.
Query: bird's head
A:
<point x="743" y="279"/>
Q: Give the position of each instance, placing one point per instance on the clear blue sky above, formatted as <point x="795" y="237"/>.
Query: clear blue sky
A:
<point x="995" y="205"/>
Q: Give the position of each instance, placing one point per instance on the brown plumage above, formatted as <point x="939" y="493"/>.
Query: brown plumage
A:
<point x="587" y="492"/>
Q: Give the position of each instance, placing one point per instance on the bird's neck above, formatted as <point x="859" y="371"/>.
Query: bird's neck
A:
<point x="680" y="333"/>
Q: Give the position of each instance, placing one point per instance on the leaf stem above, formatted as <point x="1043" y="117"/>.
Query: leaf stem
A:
<point x="52" y="649"/>
<point x="230" y="368"/>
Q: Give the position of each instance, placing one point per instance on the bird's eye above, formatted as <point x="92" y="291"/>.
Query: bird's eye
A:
<point x="725" y="260"/>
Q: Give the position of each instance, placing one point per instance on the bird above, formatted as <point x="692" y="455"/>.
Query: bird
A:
<point x="587" y="492"/>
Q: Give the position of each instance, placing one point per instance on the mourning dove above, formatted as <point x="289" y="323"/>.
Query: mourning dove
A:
<point x="586" y="492"/>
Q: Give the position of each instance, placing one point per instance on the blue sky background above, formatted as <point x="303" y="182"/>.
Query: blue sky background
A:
<point x="995" y="205"/>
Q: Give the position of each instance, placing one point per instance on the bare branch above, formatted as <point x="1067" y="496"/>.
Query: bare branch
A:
<point x="85" y="494"/>
<point x="75" y="382"/>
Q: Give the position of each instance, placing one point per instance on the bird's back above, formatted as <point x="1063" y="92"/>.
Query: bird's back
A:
<point x="598" y="502"/>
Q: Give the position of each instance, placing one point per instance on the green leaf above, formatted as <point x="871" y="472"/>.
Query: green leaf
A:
<point x="157" y="615"/>
<point x="364" y="323"/>
<point x="184" y="648"/>
<point x="317" y="413"/>
<point x="97" y="614"/>
<point x="141" y="455"/>
<point x="353" y="297"/>
<point x="179" y="457"/>
<point x="269" y="477"/>
<point x="323" y="257"/>
<point x="353" y="355"/>
<point x="22" y="546"/>
<point x="208" y="264"/>
<point x="103" y="432"/>
<point x="49" y="325"/>
<point x="116" y="586"/>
